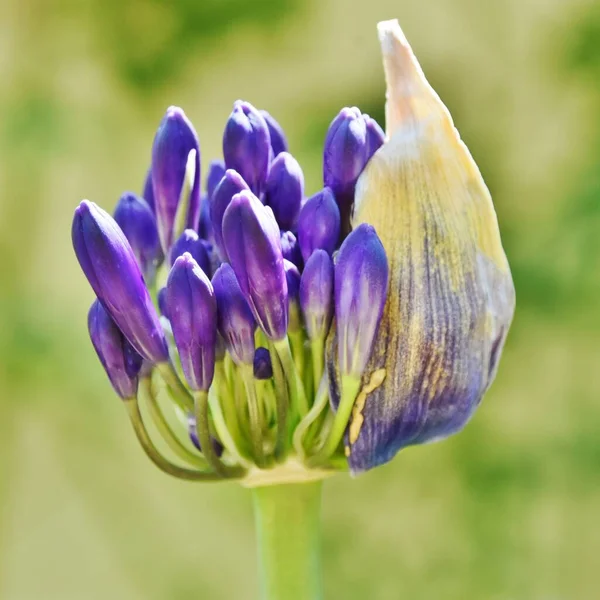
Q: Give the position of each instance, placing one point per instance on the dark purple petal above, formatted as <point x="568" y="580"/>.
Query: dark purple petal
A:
<point x="192" y="309"/>
<point x="316" y="294"/>
<point x="375" y="136"/>
<point x="174" y="141"/>
<point x="290" y="248"/>
<point x="118" y="357"/>
<point x="161" y="299"/>
<point x="252" y="242"/>
<point x="189" y="241"/>
<point x="205" y="228"/>
<point x="235" y="322"/>
<point x="216" y="171"/>
<point x="231" y="184"/>
<point x="136" y="220"/>
<point x="361" y="279"/>
<point x="263" y="369"/>
<point x="247" y="145"/>
<point x="110" y="266"/>
<point x="148" y="193"/>
<point x="278" y="140"/>
<point x="319" y="224"/>
<point x="285" y="189"/>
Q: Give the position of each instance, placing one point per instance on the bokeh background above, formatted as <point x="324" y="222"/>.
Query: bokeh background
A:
<point x="507" y="510"/>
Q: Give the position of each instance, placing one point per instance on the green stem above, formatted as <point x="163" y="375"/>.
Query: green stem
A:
<point x="256" y="416"/>
<point x="282" y="400"/>
<point x="288" y="533"/>
<point x="180" y="394"/>
<point x="297" y="396"/>
<point x="318" y="359"/>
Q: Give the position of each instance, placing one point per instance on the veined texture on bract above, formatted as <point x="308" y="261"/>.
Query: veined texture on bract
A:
<point x="451" y="296"/>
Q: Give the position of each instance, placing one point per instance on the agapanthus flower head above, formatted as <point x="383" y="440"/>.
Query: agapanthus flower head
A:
<point x="285" y="189"/>
<point x="384" y="299"/>
<point x="278" y="140"/>
<point x="175" y="156"/>
<point x="189" y="241"/>
<point x="319" y="224"/>
<point x="247" y="145"/>
<point x="252" y="242"/>
<point x="235" y="321"/>
<point x="136" y="220"/>
<point x="231" y="184"/>
<point x="110" y="266"/>
<point x="192" y="310"/>
<point x="118" y="357"/>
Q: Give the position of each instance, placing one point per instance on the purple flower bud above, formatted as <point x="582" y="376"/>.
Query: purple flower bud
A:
<point x="231" y="184"/>
<point x="189" y="241"/>
<point x="148" y="193"/>
<point x="118" y="357"/>
<point x="292" y="276"/>
<point x="110" y="266"/>
<point x="205" y="229"/>
<point x="278" y="141"/>
<point x="375" y="135"/>
<point x="319" y="224"/>
<point x="251" y="238"/>
<point x="290" y="248"/>
<point x="316" y="294"/>
<point x="136" y="220"/>
<point x="247" y="145"/>
<point x="285" y="189"/>
<point x="234" y="321"/>
<point x="216" y="171"/>
<point x="161" y="299"/>
<point x="263" y="369"/>
<point x="174" y="141"/>
<point x="192" y="309"/>
<point x="344" y="157"/>
<point x="193" y="432"/>
<point x="361" y="279"/>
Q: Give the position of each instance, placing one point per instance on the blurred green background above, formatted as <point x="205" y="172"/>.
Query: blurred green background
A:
<point x="507" y="510"/>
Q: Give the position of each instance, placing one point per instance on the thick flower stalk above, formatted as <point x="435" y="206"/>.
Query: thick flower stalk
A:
<point x="301" y="336"/>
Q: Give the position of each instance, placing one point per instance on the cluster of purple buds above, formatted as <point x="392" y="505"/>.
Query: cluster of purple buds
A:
<point x="249" y="266"/>
<point x="294" y="333"/>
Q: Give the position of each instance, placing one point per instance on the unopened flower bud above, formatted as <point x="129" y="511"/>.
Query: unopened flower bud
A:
<point x="251" y="238"/>
<point x="316" y="294"/>
<point x="263" y="369"/>
<point x="190" y="241"/>
<point x="205" y="228"/>
<point x="192" y="309"/>
<point x="161" y="299"/>
<point x="345" y="156"/>
<point x="235" y="322"/>
<point x="361" y="279"/>
<point x="231" y="184"/>
<point x="292" y="276"/>
<point x="110" y="266"/>
<point x="290" y="248"/>
<point x="216" y="171"/>
<point x="136" y="220"/>
<point x="173" y="143"/>
<point x="285" y="189"/>
<point x="148" y="193"/>
<point x="247" y="145"/>
<point x="375" y="135"/>
<point x="319" y="224"/>
<point x="278" y="140"/>
<point x="118" y="357"/>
